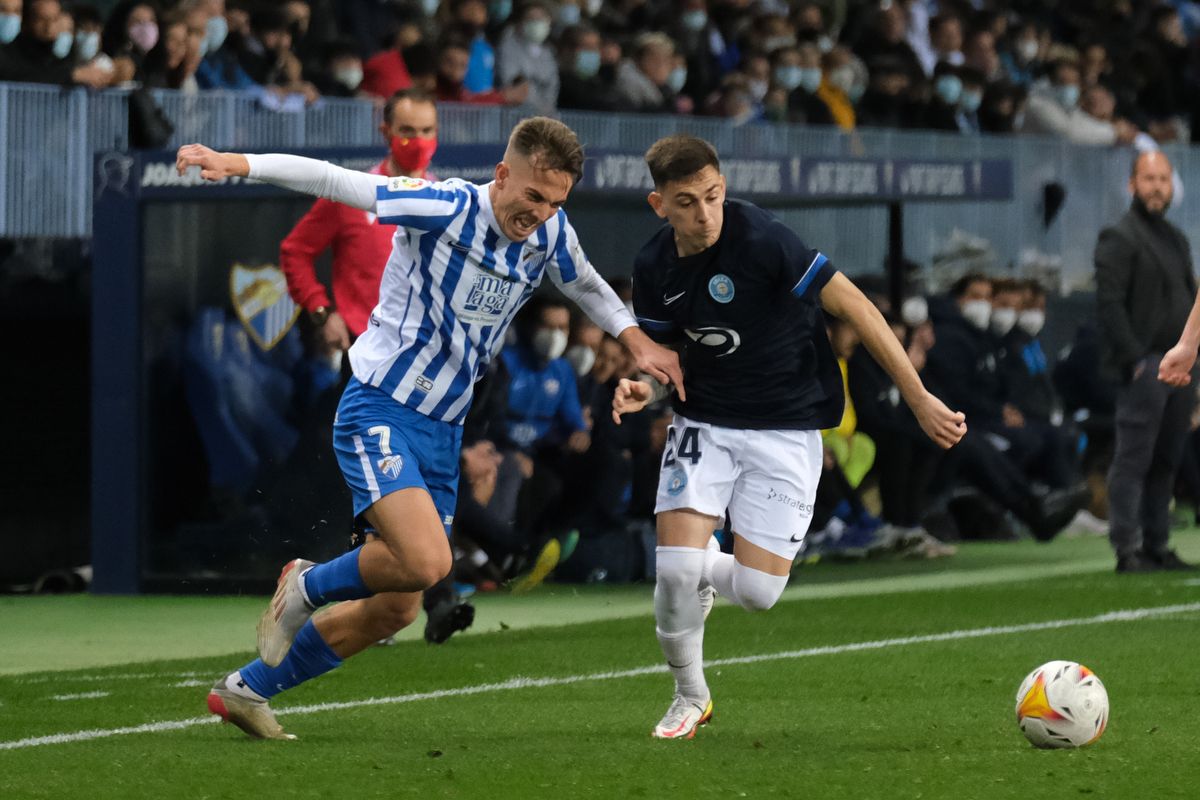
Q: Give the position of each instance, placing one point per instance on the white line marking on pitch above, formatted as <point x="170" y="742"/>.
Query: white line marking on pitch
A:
<point x="80" y="696"/>
<point x="1129" y="615"/>
<point x="136" y="676"/>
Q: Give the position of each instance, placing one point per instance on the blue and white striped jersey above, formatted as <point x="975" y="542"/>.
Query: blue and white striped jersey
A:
<point x="452" y="285"/>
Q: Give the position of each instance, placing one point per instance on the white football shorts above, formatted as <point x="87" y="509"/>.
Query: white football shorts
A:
<point x="766" y="480"/>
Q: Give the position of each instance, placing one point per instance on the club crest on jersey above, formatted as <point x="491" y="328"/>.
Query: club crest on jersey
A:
<point x="676" y="483"/>
<point x="403" y="184"/>
<point x="260" y="300"/>
<point x="551" y="386"/>
<point x="721" y="288"/>
<point x="391" y="466"/>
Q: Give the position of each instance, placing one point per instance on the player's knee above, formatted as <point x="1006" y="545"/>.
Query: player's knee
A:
<point x="756" y="590"/>
<point x="429" y="568"/>
<point x="678" y="571"/>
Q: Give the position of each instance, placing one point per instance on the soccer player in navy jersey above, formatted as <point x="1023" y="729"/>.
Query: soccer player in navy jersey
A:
<point x="464" y="260"/>
<point x="742" y="297"/>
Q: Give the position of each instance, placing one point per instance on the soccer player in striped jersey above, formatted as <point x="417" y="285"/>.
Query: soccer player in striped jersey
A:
<point x="464" y="260"/>
<point x="743" y="297"/>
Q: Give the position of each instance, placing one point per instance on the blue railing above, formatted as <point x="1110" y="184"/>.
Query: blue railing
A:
<point x="48" y="137"/>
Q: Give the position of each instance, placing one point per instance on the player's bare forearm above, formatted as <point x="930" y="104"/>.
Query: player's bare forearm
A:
<point x="843" y="299"/>
<point x="1177" y="363"/>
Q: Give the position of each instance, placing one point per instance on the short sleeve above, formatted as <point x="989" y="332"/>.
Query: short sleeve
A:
<point x="419" y="204"/>
<point x="648" y="308"/>
<point x="802" y="270"/>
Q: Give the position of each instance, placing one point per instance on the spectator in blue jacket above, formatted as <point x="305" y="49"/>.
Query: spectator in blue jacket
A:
<point x="543" y="400"/>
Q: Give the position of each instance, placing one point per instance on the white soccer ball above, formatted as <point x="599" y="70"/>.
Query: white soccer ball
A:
<point x="1062" y="704"/>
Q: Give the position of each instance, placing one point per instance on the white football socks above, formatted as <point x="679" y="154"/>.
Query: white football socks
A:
<point x="235" y="684"/>
<point x="752" y="589"/>
<point x="679" y="620"/>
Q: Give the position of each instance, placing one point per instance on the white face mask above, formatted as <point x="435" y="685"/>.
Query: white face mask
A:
<point x="581" y="358"/>
<point x="1028" y="49"/>
<point x="593" y="7"/>
<point x="549" y="343"/>
<point x="350" y="77"/>
<point x="1031" y="321"/>
<point x="914" y="311"/>
<point x="535" y="31"/>
<point x="977" y="312"/>
<point x="1002" y="320"/>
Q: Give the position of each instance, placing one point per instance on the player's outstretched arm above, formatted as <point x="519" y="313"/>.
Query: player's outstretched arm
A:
<point x="1176" y="365"/>
<point x="632" y="396"/>
<point x="660" y="363"/>
<point x="306" y="175"/>
<point x="844" y="300"/>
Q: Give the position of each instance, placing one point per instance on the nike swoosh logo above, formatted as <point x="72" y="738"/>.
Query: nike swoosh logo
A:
<point x="797" y="540"/>
<point x="678" y="666"/>
<point x="668" y="300"/>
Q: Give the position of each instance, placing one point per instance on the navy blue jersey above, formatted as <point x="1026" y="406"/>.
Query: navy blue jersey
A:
<point x="745" y="312"/>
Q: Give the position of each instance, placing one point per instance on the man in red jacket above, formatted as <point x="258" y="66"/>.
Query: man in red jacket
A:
<point x="360" y="252"/>
<point x="360" y="246"/>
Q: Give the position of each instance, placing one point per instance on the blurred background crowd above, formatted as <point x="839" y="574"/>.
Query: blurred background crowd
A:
<point x="1092" y="71"/>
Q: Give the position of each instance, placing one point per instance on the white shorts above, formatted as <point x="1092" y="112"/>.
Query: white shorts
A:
<point x="766" y="480"/>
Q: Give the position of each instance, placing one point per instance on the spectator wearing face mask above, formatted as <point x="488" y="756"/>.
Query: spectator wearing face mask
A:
<point x="845" y="80"/>
<point x="585" y="83"/>
<point x="341" y="74"/>
<point x="941" y="111"/>
<point x="1020" y="58"/>
<point x="966" y="114"/>
<point x="41" y="46"/>
<point x="129" y="35"/>
<point x="798" y="70"/>
<point x="526" y="55"/>
<point x="543" y="401"/>
<point x="470" y="20"/>
<point x="87" y="23"/>
<point x="266" y="54"/>
<point x="1053" y="108"/>
<point x="219" y="68"/>
<point x="173" y="61"/>
<point x="648" y="80"/>
<point x="700" y="43"/>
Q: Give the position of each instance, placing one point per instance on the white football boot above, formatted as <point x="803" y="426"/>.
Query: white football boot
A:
<point x="682" y="718"/>
<point x="286" y="615"/>
<point x="252" y="716"/>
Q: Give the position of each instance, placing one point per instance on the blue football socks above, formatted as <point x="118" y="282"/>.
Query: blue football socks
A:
<point x="308" y="658"/>
<point x="338" y="579"/>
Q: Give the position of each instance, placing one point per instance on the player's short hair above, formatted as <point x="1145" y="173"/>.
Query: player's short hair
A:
<point x="674" y="158"/>
<point x="549" y="144"/>
<point x="413" y="94"/>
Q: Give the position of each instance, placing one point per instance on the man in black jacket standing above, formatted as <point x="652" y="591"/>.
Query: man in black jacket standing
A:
<point x="1144" y="292"/>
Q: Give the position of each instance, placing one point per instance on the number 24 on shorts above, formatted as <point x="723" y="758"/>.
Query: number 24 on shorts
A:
<point x="689" y="446"/>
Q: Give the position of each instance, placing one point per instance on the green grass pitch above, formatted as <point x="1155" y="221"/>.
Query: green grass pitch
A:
<point x="547" y="696"/>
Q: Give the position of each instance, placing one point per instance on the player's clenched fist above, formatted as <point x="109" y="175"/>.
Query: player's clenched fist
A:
<point x="944" y="426"/>
<point x="213" y="166"/>
<point x="631" y="396"/>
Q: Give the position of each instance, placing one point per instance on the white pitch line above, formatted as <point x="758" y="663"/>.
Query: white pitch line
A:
<point x="80" y="696"/>
<point x="130" y="676"/>
<point x="1129" y="615"/>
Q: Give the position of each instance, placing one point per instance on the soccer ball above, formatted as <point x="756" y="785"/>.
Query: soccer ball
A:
<point x="1062" y="704"/>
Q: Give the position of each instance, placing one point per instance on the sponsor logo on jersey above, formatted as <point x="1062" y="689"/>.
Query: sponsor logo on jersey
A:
<point x="391" y="466"/>
<point x="677" y="482"/>
<point x="403" y="184"/>
<point x="724" y="340"/>
<point x="805" y="509"/>
<point x="721" y="288"/>
<point x="260" y="300"/>
<point x="487" y="299"/>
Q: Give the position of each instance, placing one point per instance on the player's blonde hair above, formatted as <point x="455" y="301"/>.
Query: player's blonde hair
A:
<point x="548" y="144"/>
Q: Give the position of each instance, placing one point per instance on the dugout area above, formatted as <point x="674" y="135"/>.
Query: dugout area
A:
<point x="172" y="257"/>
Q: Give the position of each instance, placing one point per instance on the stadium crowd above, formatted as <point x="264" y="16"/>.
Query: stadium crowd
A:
<point x="1112" y="72"/>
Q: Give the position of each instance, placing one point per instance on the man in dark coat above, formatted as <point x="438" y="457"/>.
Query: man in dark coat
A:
<point x="1144" y="291"/>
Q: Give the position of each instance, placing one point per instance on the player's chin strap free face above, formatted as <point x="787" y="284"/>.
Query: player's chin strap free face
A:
<point x="527" y="196"/>
<point x="694" y="206"/>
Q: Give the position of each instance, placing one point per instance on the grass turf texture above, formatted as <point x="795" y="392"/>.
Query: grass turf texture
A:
<point x="921" y="720"/>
